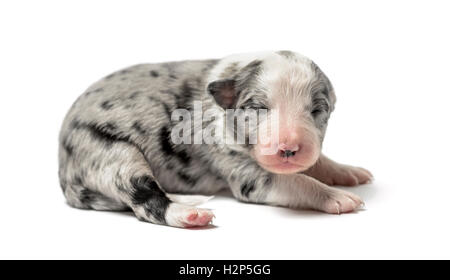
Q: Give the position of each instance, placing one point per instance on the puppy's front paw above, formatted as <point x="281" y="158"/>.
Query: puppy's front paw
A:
<point x="339" y="202"/>
<point x="346" y="175"/>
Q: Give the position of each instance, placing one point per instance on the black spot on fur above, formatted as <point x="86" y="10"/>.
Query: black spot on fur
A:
<point x="147" y="193"/>
<point x="183" y="157"/>
<point x="144" y="187"/>
<point x="75" y="124"/>
<point x="166" y="145"/>
<point x="88" y="197"/>
<point x="209" y="64"/>
<point x="167" y="110"/>
<point x="154" y="74"/>
<point x="230" y="70"/>
<point x="94" y="91"/>
<point x="77" y="180"/>
<point x="109" y="126"/>
<point x="67" y="147"/>
<point x="184" y="100"/>
<point x="95" y="165"/>
<point x="119" y="182"/>
<point x="135" y="94"/>
<point x="219" y="177"/>
<point x="138" y="127"/>
<point x="154" y="99"/>
<point x="187" y="178"/>
<point x="247" y="188"/>
<point x="107" y="105"/>
<point x="268" y="180"/>
<point x="105" y="132"/>
<point x="168" y="148"/>
<point x="121" y="187"/>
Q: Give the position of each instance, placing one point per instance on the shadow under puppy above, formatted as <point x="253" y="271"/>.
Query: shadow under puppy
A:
<point x="117" y="150"/>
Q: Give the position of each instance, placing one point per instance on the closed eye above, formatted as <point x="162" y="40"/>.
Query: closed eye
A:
<point x="320" y="106"/>
<point x="315" y="112"/>
<point x="252" y="104"/>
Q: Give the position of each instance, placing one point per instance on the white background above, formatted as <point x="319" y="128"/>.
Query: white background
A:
<point x="388" y="60"/>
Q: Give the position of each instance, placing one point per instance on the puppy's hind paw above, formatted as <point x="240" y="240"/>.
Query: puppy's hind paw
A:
<point x="199" y="218"/>
<point x="184" y="216"/>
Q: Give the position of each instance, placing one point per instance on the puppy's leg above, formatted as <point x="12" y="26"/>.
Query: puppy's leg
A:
<point x="333" y="173"/>
<point x="151" y="204"/>
<point x="294" y="191"/>
<point x="300" y="191"/>
<point x="117" y="176"/>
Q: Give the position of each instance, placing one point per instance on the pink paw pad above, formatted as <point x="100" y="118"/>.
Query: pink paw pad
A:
<point x="198" y="218"/>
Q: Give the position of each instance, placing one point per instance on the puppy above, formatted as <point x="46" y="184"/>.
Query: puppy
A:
<point x="135" y="140"/>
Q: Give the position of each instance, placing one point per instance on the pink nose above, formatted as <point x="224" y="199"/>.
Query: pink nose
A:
<point x="290" y="142"/>
<point x="287" y="151"/>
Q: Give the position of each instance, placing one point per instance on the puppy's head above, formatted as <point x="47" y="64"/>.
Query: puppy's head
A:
<point x="297" y="95"/>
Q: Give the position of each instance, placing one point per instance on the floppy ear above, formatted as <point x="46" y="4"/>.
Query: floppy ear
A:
<point x="224" y="92"/>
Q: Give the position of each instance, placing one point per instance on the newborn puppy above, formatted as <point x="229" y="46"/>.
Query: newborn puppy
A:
<point x="120" y="148"/>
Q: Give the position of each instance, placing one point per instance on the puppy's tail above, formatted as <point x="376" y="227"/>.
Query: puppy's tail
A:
<point x="190" y="200"/>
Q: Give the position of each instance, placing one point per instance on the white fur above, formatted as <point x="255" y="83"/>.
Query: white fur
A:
<point x="190" y="200"/>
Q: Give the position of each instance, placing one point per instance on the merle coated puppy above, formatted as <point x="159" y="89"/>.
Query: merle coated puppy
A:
<point x="117" y="150"/>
